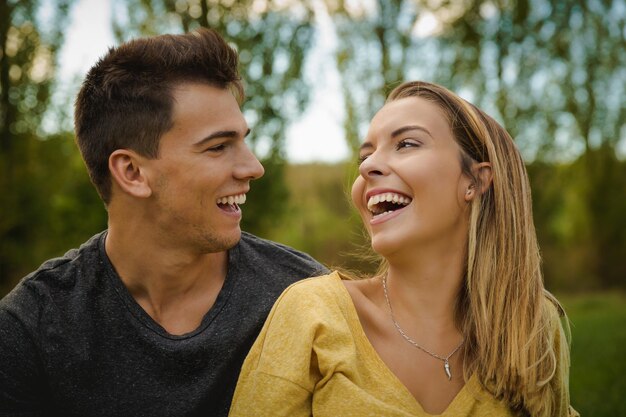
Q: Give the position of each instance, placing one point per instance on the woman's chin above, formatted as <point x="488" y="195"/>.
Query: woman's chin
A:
<point x="385" y="247"/>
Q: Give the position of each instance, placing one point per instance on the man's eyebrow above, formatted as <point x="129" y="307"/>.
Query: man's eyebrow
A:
<point x="218" y="135"/>
<point x="404" y="129"/>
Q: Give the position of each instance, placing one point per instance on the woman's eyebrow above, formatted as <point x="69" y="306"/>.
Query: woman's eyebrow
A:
<point x="404" y="129"/>
<point x="398" y="132"/>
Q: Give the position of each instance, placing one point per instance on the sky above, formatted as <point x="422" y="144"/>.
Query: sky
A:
<point x="316" y="136"/>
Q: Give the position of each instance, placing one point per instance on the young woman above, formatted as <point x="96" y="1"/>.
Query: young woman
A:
<point x="457" y="321"/>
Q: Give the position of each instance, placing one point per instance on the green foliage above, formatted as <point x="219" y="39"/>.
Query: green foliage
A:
<point x="372" y="57"/>
<point x="551" y="71"/>
<point x="598" y="324"/>
<point x="579" y="218"/>
<point x="27" y="63"/>
<point x="320" y="219"/>
<point x="605" y="191"/>
<point x="54" y="207"/>
<point x="267" y="199"/>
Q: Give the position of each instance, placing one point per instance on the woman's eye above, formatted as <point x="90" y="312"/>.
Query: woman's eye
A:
<point x="362" y="159"/>
<point x="408" y="143"/>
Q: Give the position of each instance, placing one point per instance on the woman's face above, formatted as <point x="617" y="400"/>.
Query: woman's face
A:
<point x="411" y="191"/>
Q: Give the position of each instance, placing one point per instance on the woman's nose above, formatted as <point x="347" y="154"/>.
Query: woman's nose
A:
<point x="373" y="165"/>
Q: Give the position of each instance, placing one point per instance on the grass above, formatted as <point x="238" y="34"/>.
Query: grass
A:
<point x="598" y="371"/>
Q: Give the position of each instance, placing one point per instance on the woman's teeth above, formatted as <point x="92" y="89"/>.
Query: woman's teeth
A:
<point x="386" y="203"/>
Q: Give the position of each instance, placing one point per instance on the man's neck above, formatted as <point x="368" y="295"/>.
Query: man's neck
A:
<point x="175" y="287"/>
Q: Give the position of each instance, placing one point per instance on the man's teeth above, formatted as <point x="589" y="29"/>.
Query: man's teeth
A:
<point x="390" y="197"/>
<point x="232" y="199"/>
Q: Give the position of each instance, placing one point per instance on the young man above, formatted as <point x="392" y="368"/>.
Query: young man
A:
<point x="154" y="316"/>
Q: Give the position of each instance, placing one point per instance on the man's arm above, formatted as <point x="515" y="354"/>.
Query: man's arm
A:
<point x="21" y="375"/>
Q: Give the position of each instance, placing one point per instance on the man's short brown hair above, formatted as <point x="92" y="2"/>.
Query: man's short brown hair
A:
<point x="126" y="99"/>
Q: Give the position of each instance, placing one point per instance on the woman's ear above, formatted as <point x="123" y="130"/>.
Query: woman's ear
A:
<point x="482" y="171"/>
<point x="127" y="172"/>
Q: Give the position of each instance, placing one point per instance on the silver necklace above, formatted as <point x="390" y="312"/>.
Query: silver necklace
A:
<point x="445" y="359"/>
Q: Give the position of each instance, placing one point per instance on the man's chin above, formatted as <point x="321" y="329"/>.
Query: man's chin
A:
<point x="232" y="241"/>
<point x="223" y="242"/>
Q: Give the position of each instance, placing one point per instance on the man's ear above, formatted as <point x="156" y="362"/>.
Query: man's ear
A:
<point x="128" y="173"/>
<point x="482" y="171"/>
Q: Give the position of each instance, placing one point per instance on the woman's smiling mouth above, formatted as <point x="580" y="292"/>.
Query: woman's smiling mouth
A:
<point x="383" y="204"/>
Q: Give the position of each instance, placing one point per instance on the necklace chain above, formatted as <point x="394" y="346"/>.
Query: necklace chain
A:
<point x="445" y="359"/>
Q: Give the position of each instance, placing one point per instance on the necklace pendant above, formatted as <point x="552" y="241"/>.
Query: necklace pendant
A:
<point x="446" y="367"/>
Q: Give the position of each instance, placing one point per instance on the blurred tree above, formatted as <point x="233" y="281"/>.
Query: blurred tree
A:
<point x="554" y="73"/>
<point x="551" y="71"/>
<point x="372" y="56"/>
<point x="272" y="38"/>
<point x="322" y="223"/>
<point x="33" y="169"/>
<point x="375" y="45"/>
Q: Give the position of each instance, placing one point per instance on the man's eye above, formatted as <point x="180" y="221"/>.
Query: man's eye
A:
<point x="362" y="158"/>
<point x="216" y="148"/>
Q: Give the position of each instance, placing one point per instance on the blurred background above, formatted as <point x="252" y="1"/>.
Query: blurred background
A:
<point x="553" y="72"/>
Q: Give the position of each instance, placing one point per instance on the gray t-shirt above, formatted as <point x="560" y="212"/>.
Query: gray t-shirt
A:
<point x="74" y="342"/>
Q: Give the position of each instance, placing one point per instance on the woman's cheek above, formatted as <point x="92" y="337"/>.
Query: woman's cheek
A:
<point x="358" y="189"/>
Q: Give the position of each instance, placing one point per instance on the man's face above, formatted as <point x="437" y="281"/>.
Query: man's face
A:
<point x="203" y="171"/>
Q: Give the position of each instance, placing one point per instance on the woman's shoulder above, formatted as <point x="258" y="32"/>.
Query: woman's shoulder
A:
<point x="313" y="294"/>
<point x="557" y="324"/>
<point x="322" y="285"/>
<point x="308" y="312"/>
<point x="554" y="316"/>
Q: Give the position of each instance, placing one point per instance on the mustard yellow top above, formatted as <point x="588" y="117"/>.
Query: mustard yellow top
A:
<point x="312" y="358"/>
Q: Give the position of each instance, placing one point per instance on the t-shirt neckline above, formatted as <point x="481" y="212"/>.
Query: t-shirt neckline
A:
<point x="142" y="317"/>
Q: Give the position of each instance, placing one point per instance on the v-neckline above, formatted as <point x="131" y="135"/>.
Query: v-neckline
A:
<point x="452" y="409"/>
<point x="142" y="316"/>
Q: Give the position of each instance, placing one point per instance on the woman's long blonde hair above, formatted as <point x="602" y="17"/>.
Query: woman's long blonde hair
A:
<point x="502" y="308"/>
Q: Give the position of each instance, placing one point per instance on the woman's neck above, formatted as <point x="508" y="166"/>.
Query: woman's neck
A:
<point x="426" y="285"/>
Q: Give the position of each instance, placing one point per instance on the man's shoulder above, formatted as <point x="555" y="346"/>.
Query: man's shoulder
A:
<point x="259" y="243"/>
<point x="53" y="275"/>
<point x="266" y="252"/>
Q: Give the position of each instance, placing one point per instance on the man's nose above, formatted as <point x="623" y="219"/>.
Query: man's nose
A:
<point x="248" y="166"/>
